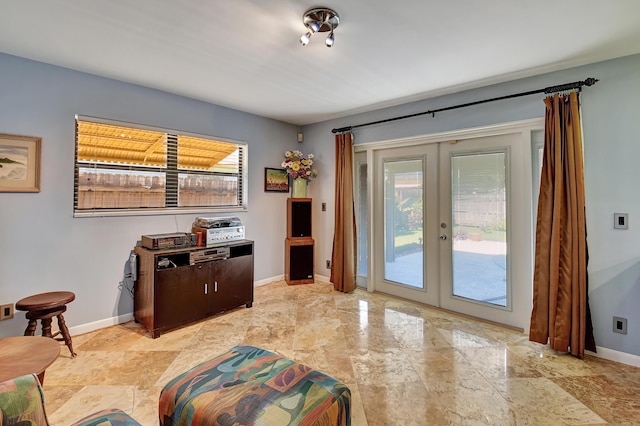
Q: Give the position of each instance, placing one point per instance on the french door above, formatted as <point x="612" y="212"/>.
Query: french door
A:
<point x="452" y="225"/>
<point x="405" y="209"/>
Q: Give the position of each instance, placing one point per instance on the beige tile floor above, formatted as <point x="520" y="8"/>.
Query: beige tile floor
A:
<point x="405" y="363"/>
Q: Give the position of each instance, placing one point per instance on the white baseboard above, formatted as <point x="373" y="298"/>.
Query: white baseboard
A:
<point x="103" y="323"/>
<point x="612" y="355"/>
<point x="322" y="278"/>
<point x="268" y="281"/>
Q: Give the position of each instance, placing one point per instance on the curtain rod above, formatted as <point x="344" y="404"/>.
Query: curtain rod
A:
<point x="551" y="89"/>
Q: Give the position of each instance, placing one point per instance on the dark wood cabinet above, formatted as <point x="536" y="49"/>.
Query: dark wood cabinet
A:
<point x="229" y="278"/>
<point x="299" y="246"/>
<point x="180" y="295"/>
<point x="171" y="291"/>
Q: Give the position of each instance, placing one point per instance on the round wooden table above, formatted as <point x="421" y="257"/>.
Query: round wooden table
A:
<point x="22" y="355"/>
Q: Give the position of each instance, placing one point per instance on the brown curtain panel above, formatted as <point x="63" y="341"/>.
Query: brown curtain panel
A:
<point x="343" y="258"/>
<point x="560" y="313"/>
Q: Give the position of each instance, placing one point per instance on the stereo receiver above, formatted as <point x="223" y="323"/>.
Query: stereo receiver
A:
<point x="220" y="235"/>
<point x="218" y="229"/>
<point x="167" y="241"/>
<point x="206" y="255"/>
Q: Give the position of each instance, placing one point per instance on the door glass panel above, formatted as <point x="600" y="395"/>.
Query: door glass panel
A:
<point x="478" y="197"/>
<point x="362" y="223"/>
<point x="403" y="222"/>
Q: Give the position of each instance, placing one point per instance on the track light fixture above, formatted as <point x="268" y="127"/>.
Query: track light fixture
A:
<point x="319" y="20"/>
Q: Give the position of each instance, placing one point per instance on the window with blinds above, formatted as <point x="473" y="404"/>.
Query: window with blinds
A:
<point x="122" y="168"/>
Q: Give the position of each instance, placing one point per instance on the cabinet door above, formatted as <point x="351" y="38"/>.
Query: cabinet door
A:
<point x="182" y="294"/>
<point x="233" y="283"/>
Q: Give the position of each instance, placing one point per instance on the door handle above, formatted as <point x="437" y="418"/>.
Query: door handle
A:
<point x="206" y="288"/>
<point x="216" y="287"/>
<point x="443" y="237"/>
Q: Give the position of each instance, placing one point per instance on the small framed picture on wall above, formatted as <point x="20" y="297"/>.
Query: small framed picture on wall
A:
<point x="275" y="180"/>
<point x="19" y="163"/>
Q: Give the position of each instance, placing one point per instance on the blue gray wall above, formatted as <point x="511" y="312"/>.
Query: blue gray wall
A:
<point x="610" y="113"/>
<point x="43" y="248"/>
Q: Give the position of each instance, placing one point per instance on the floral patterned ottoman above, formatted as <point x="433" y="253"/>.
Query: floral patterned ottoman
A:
<point x="251" y="386"/>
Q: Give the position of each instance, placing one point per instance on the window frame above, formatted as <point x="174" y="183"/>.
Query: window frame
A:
<point x="172" y="137"/>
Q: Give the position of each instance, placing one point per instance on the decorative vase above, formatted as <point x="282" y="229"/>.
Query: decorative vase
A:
<point x="299" y="188"/>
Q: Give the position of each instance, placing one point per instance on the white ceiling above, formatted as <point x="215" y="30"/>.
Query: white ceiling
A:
<point x="245" y="54"/>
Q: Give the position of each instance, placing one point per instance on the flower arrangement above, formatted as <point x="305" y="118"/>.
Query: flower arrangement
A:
<point x="299" y="166"/>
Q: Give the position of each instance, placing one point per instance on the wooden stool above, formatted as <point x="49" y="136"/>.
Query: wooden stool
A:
<point x="44" y="307"/>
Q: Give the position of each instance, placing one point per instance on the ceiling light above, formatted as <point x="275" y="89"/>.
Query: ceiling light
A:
<point x="319" y="20"/>
<point x="305" y="38"/>
<point x="329" y="41"/>
<point x="314" y="26"/>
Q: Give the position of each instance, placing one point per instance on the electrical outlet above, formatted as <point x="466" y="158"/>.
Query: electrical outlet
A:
<point x="324" y="207"/>
<point x="621" y="220"/>
<point x="620" y="325"/>
<point x="328" y="264"/>
<point x="6" y="312"/>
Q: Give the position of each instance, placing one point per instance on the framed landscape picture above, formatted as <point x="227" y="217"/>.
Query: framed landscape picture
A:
<point x="19" y="163"/>
<point x="276" y="180"/>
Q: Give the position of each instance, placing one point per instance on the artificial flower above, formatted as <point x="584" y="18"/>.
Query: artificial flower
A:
<point x="299" y="166"/>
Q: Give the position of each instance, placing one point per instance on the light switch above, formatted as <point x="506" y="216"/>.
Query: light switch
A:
<point x="621" y="220"/>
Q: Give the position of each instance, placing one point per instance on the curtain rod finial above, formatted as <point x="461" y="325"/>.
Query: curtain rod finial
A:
<point x="590" y="81"/>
